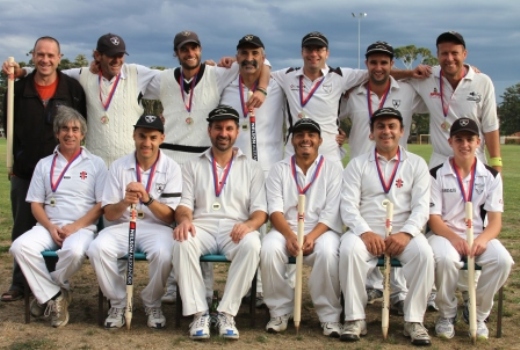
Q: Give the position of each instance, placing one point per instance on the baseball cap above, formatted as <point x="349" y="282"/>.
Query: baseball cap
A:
<point x="111" y="45"/>
<point x="316" y="39"/>
<point x="250" y="39"/>
<point x="386" y="112"/>
<point x="150" y="122"/>
<point x="451" y="36"/>
<point x="464" y="124"/>
<point x="380" y="47"/>
<point x="185" y="37"/>
<point x="223" y="112"/>
<point x="306" y="124"/>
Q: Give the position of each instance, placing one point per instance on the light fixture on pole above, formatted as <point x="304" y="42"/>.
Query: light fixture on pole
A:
<point x="359" y="17"/>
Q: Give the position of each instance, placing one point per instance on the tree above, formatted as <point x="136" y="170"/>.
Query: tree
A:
<point x="409" y="54"/>
<point x="509" y="110"/>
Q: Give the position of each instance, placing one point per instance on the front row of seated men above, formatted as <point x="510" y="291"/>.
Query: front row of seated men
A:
<point x="223" y="199"/>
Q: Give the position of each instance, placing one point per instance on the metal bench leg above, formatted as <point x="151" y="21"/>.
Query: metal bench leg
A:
<point x="500" y="311"/>
<point x="101" y="307"/>
<point x="178" y="308"/>
<point x="252" y="302"/>
<point x="26" y="293"/>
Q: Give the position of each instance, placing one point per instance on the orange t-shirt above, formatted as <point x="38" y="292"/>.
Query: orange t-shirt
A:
<point x="46" y="91"/>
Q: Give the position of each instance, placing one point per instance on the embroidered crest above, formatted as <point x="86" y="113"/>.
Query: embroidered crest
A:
<point x="248" y="37"/>
<point x="474" y="96"/>
<point x="159" y="187"/>
<point x="83" y="175"/>
<point x="396" y="103"/>
<point x="463" y="121"/>
<point x="186" y="33"/>
<point x="399" y="183"/>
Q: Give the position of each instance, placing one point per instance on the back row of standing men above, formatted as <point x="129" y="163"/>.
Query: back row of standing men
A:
<point x="190" y="92"/>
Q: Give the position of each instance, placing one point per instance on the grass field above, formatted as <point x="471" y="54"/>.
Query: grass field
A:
<point x="83" y="332"/>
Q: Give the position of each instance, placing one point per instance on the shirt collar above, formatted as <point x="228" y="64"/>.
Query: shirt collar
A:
<point x="237" y="153"/>
<point x="325" y="70"/>
<point x="362" y="89"/>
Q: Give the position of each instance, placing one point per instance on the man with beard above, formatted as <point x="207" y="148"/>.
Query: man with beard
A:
<point x="309" y="173"/>
<point x="36" y="98"/>
<point x="224" y="220"/>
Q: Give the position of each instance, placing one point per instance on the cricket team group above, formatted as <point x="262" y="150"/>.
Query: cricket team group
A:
<point x="233" y="149"/>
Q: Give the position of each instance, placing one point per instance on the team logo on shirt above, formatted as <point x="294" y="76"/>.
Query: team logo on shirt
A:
<point x="474" y="96"/>
<point x="449" y="190"/>
<point x="432" y="204"/>
<point x="327" y="88"/>
<point x="159" y="187"/>
<point x="83" y="175"/>
<point x="114" y="40"/>
<point x="396" y="103"/>
<point x="435" y="93"/>
<point x="399" y="183"/>
<point x="479" y="188"/>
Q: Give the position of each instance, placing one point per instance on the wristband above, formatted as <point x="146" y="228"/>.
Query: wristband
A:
<point x="495" y="161"/>
<point x="150" y="201"/>
<point x="262" y="90"/>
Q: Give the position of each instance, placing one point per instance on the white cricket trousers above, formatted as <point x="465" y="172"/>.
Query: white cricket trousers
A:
<point x="496" y="263"/>
<point x="323" y="281"/>
<point x="27" y="249"/>
<point x="356" y="262"/>
<point x="212" y="237"/>
<point x="112" y="244"/>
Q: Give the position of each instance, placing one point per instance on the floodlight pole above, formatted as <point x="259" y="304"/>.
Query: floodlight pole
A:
<point x="359" y="17"/>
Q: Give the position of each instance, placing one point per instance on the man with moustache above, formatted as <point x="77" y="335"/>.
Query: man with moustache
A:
<point x="152" y="182"/>
<point x="306" y="172"/>
<point x="381" y="90"/>
<point x="36" y="99"/>
<point x="404" y="181"/>
<point x="223" y="220"/>
<point x="269" y="117"/>
<point x="114" y="95"/>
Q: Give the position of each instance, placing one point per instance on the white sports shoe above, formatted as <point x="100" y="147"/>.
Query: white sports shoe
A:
<point x="352" y="330"/>
<point x="331" y="329"/>
<point x="417" y="333"/>
<point x="278" y="324"/>
<point x="226" y="326"/>
<point x="199" y="328"/>
<point x="115" y="317"/>
<point x="482" y="331"/>
<point x="156" y="318"/>
<point x="445" y="327"/>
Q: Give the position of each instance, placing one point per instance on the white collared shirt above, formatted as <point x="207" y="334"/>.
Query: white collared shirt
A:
<point x="447" y="201"/>
<point x="321" y="199"/>
<point x="269" y="123"/>
<point x="243" y="192"/>
<point x="79" y="190"/>
<point x="401" y="96"/>
<point x="323" y="106"/>
<point x="165" y="188"/>
<point x="362" y="194"/>
<point x="474" y="97"/>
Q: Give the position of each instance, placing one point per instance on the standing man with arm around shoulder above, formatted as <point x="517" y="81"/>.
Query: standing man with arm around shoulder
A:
<point x="460" y="179"/>
<point x="454" y="91"/>
<point x="403" y="180"/>
<point x="306" y="172"/>
<point x="65" y="197"/>
<point x="222" y="207"/>
<point x="151" y="181"/>
<point x="36" y="98"/>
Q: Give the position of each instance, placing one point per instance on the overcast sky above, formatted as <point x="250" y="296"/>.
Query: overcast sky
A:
<point x="491" y="29"/>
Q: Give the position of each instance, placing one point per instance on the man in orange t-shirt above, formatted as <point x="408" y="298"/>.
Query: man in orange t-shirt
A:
<point x="37" y="97"/>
